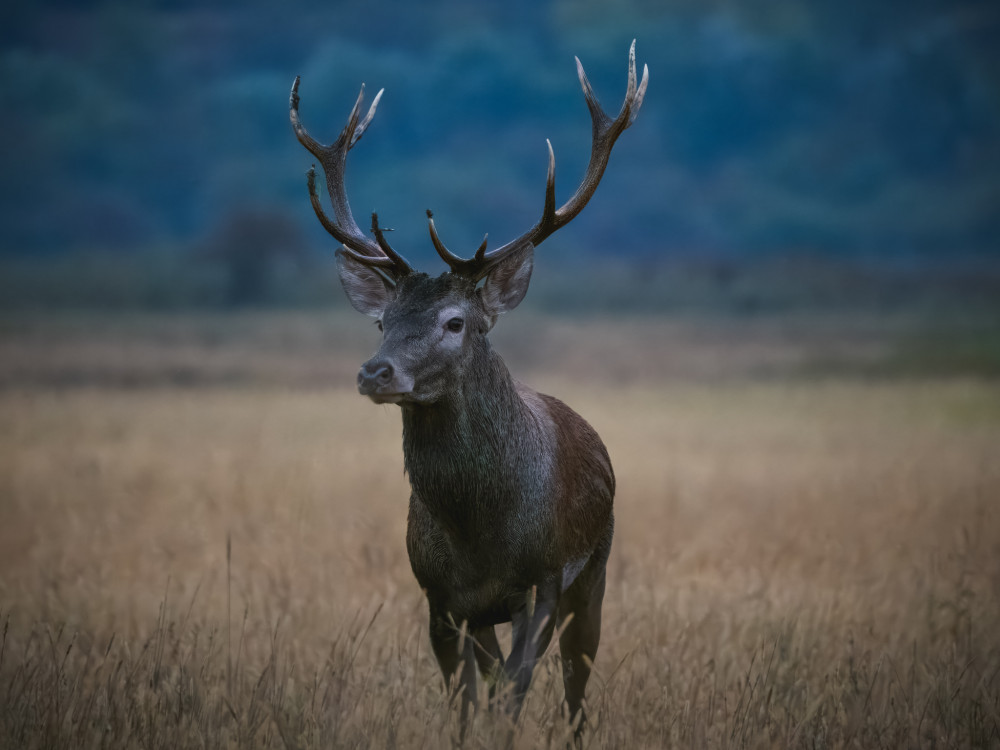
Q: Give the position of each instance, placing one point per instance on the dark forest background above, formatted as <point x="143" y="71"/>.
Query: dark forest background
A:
<point x="786" y="150"/>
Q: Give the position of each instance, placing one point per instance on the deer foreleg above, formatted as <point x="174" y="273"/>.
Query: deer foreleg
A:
<point x="532" y="628"/>
<point x="489" y="657"/>
<point x="454" y="649"/>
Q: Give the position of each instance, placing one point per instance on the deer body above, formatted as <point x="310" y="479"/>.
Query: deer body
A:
<point x="512" y="525"/>
<point x="509" y="492"/>
<point x="510" y="516"/>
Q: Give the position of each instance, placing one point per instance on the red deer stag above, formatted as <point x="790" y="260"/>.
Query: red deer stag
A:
<point x="510" y="516"/>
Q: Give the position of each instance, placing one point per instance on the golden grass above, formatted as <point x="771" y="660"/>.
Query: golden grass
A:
<point x="796" y="564"/>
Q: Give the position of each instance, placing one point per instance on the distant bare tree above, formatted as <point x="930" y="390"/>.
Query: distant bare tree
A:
<point x="250" y="241"/>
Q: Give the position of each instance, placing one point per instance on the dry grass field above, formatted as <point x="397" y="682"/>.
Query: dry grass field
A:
<point x="202" y="540"/>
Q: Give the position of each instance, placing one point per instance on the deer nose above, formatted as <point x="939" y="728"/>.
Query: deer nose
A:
<point x="374" y="375"/>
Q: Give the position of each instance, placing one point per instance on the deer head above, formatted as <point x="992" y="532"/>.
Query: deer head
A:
<point x="434" y="329"/>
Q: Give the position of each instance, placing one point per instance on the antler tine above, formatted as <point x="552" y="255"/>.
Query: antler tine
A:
<point x="383" y="244"/>
<point x="549" y="208"/>
<point x="598" y="116"/>
<point x="446" y="255"/>
<point x="481" y="252"/>
<point x="455" y="263"/>
<point x="636" y="95"/>
<point x="333" y="158"/>
<point x="363" y="125"/>
<point x="605" y="133"/>
<point x="300" y="132"/>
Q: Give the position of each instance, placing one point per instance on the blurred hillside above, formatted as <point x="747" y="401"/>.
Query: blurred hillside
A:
<point x="869" y="130"/>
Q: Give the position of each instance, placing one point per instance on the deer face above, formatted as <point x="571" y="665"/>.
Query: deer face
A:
<point x="432" y="328"/>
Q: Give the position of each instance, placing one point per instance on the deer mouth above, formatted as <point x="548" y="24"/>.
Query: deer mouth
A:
<point x="387" y="398"/>
<point x="402" y="398"/>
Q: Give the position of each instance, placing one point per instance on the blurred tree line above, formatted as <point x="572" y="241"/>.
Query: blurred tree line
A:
<point x="862" y="128"/>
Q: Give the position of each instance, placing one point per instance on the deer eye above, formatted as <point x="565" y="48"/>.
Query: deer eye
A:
<point x="378" y="323"/>
<point x="455" y="325"/>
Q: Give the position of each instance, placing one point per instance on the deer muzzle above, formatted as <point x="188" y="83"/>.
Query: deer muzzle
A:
<point x="382" y="382"/>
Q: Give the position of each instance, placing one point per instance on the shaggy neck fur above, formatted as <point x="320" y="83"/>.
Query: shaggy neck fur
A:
<point x="470" y="454"/>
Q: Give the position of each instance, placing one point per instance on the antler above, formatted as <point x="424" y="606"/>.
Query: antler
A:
<point x="605" y="133"/>
<point x="375" y="254"/>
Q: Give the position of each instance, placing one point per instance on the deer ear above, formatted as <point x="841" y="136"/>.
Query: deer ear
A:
<point x="367" y="290"/>
<point x="507" y="283"/>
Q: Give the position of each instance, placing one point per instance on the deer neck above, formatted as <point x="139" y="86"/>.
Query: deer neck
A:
<point x="467" y="446"/>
